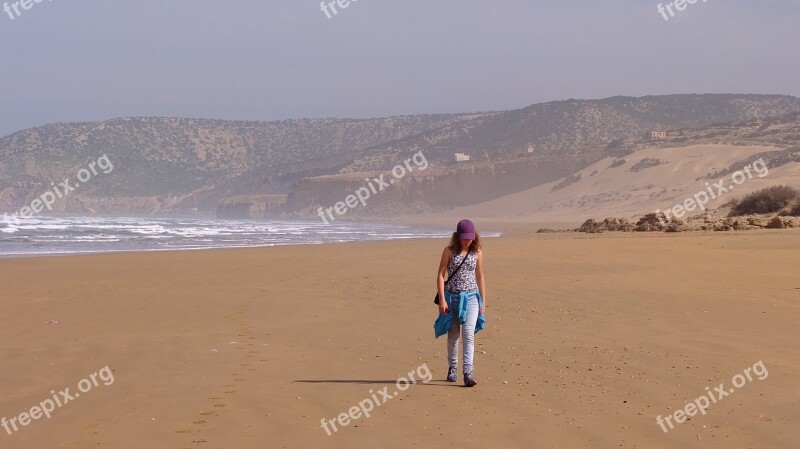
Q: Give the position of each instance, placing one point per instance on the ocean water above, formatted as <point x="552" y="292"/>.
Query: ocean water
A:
<point x="73" y="235"/>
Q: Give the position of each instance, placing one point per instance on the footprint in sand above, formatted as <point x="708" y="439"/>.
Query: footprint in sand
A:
<point x="245" y="333"/>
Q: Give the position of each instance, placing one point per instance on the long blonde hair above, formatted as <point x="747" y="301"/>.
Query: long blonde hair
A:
<point x="455" y="244"/>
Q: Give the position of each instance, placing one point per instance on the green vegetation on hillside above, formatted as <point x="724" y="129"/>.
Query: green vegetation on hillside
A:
<point x="784" y="200"/>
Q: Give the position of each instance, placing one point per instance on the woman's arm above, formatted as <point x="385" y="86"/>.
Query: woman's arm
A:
<point x="445" y="260"/>
<point x="481" y="280"/>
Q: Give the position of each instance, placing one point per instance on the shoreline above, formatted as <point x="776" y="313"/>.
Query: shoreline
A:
<point x="514" y="230"/>
<point x="86" y="235"/>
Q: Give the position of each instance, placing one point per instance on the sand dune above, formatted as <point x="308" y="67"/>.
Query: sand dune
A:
<point x="604" y="191"/>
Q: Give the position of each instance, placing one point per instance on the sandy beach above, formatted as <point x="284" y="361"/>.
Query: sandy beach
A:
<point x="589" y="339"/>
<point x="224" y="226"/>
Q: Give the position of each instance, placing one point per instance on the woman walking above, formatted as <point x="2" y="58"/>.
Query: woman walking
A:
<point x="465" y="297"/>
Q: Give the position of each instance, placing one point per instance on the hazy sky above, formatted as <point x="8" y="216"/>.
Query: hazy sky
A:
<point x="80" y="60"/>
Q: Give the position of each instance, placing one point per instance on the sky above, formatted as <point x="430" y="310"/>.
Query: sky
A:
<point x="92" y="60"/>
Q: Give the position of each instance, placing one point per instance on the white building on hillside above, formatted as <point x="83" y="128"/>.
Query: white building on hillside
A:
<point x="461" y="157"/>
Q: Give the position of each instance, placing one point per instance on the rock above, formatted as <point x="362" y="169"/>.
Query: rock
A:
<point x="675" y="227"/>
<point x="720" y="226"/>
<point x="652" y="222"/>
<point x="776" y="223"/>
<point x="615" y="224"/>
<point x="592" y="227"/>
<point x="739" y="225"/>
<point x="706" y="222"/>
<point x="587" y="225"/>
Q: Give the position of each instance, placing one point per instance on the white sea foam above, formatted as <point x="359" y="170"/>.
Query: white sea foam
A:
<point x="70" y="235"/>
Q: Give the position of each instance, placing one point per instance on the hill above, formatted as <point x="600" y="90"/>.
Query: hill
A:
<point x="185" y="166"/>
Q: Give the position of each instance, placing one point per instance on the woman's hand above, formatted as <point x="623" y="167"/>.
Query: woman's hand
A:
<point x="443" y="309"/>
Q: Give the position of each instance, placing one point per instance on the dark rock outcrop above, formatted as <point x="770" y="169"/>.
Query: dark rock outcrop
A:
<point x="653" y="222"/>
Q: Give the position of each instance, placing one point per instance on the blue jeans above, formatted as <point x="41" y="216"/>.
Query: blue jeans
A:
<point x="467" y="331"/>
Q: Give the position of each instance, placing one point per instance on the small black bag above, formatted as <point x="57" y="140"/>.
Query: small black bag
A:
<point x="436" y="298"/>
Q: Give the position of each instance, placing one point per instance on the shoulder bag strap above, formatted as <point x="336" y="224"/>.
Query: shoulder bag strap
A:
<point x="456" y="271"/>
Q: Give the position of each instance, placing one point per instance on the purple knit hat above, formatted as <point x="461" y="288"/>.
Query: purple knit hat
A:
<point x="465" y="230"/>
